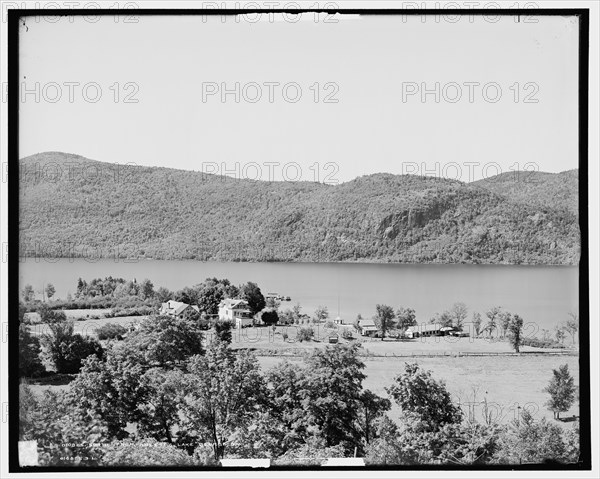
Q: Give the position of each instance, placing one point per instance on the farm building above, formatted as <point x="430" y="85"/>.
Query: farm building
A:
<point x="367" y="327"/>
<point x="176" y="309"/>
<point x="426" y="330"/>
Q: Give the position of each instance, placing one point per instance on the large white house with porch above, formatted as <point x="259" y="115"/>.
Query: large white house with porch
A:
<point x="235" y="310"/>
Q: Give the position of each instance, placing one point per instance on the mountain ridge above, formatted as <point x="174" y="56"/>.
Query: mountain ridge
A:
<point x="163" y="213"/>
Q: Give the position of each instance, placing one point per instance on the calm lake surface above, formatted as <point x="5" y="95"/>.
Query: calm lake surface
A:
<point x="540" y="294"/>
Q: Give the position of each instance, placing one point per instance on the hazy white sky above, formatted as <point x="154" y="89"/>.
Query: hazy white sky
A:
<point x="374" y="66"/>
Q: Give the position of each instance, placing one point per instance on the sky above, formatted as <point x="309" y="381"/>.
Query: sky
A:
<point x="308" y="100"/>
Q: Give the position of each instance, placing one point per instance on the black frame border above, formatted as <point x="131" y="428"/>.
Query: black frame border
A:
<point x="14" y="16"/>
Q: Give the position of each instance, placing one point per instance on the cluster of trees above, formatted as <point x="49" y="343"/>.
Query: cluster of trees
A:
<point x="160" y="398"/>
<point x="379" y="217"/>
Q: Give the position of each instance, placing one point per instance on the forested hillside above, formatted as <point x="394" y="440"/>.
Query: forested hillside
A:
<point x="70" y="205"/>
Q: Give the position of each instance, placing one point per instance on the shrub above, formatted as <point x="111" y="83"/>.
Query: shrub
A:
<point x="50" y="316"/>
<point x="67" y="350"/>
<point x="223" y="330"/>
<point x="285" y="336"/>
<point x="305" y="334"/>
<point x="145" y="453"/>
<point x="347" y="334"/>
<point x="111" y="331"/>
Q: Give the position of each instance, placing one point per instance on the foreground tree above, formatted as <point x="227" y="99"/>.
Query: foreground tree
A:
<point x="30" y="363"/>
<point x="164" y="340"/>
<point x="562" y="391"/>
<point x="67" y="350"/>
<point x="224" y="391"/>
<point x="530" y="441"/>
<point x="416" y="391"/>
<point x="384" y="318"/>
<point x="66" y="435"/>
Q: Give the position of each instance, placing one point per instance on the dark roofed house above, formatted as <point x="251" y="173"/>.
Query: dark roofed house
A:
<point x="176" y="308"/>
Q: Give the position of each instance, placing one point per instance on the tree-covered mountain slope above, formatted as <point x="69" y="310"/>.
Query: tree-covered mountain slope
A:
<point x="73" y="206"/>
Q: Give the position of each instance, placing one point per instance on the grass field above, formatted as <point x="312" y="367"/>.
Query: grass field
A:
<point x="507" y="382"/>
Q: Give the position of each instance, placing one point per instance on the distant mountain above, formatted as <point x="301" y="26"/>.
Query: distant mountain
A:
<point x="556" y="190"/>
<point x="73" y="206"/>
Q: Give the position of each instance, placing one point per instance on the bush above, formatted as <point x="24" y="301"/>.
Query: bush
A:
<point x="305" y="334"/>
<point x="347" y="334"/>
<point x="223" y="330"/>
<point x="111" y="331"/>
<point x="144" y="453"/>
<point x="540" y="343"/>
<point x="50" y="316"/>
<point x="67" y="350"/>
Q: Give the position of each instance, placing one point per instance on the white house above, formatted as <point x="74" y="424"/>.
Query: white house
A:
<point x="236" y="310"/>
<point x="176" y="309"/>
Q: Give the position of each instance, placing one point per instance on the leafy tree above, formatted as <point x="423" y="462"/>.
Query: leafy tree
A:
<point x="562" y="391"/>
<point x="384" y="318"/>
<point x="209" y="298"/>
<point x="321" y="314"/>
<point x="505" y="320"/>
<point x="416" y="391"/>
<point x="50" y="290"/>
<point x="572" y="326"/>
<point x="444" y="320"/>
<point x="27" y="293"/>
<point x="224" y="391"/>
<point x="164" y="340"/>
<point x="459" y="313"/>
<point x="128" y="453"/>
<point x="66" y="435"/>
<point x="297" y="311"/>
<point x="162" y="295"/>
<point x="493" y="316"/>
<point x="223" y="331"/>
<point x="147" y="289"/>
<point x="253" y="296"/>
<point x="112" y="389"/>
<point x="67" y="350"/>
<point x="331" y="392"/>
<point x="269" y="317"/>
<point x="159" y="409"/>
<point x="477" y="323"/>
<point x="559" y="334"/>
<point x="30" y="363"/>
<point x="530" y="441"/>
<point x="515" y="331"/>
<point x="406" y="318"/>
<point x="372" y="407"/>
<point x="272" y="303"/>
<point x="190" y="314"/>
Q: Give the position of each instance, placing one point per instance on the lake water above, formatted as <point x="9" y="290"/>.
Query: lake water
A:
<point x="540" y="294"/>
